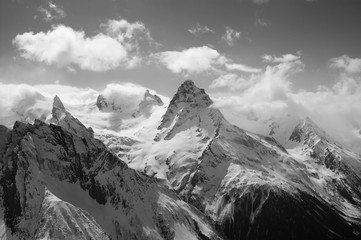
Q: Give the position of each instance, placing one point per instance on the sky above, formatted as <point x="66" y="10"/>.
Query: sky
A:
<point x="256" y="58"/>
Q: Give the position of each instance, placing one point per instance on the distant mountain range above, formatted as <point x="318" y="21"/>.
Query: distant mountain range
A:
<point x="172" y="169"/>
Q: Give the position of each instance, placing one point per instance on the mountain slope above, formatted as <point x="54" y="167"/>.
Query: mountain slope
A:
<point x="59" y="181"/>
<point x="240" y="179"/>
<point x="246" y="184"/>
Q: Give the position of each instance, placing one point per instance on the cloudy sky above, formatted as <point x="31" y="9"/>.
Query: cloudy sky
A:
<point x="255" y="57"/>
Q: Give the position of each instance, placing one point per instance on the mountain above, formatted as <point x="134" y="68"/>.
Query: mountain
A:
<point x="144" y="107"/>
<point x="241" y="180"/>
<point x="176" y="170"/>
<point x="58" y="182"/>
<point x="304" y="139"/>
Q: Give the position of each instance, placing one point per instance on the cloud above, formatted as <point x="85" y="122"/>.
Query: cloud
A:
<point x="199" y="30"/>
<point x="246" y="100"/>
<point x="347" y="64"/>
<point x="190" y="61"/>
<point x="261" y="22"/>
<point x="268" y="85"/>
<point x="284" y="58"/>
<point x="230" y="81"/>
<point x="27" y="103"/>
<point x="69" y="95"/>
<point x="129" y="34"/>
<point x="20" y="102"/>
<point x="127" y="96"/>
<point x="242" y="68"/>
<point x="117" y="46"/>
<point x="231" y="36"/>
<point x="198" y="60"/>
<point x="52" y="12"/>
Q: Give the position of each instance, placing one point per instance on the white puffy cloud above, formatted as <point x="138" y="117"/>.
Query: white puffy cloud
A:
<point x="199" y="29"/>
<point x="190" y="61"/>
<point x="197" y="60"/>
<point x="246" y="100"/>
<point x="71" y="96"/>
<point x="127" y="95"/>
<point x="25" y="102"/>
<point x="63" y="46"/>
<point x="129" y="34"/>
<point x="52" y="12"/>
<point x="282" y="59"/>
<point x="231" y="36"/>
<point x="20" y="102"/>
<point x="13" y="94"/>
<point x="347" y="64"/>
<point x="264" y="85"/>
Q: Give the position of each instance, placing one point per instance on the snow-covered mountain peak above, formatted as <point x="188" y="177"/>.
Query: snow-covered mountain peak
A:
<point x="189" y="102"/>
<point x="188" y="92"/>
<point x="151" y="98"/>
<point x="141" y="106"/>
<point x="145" y="106"/>
<point x="308" y="130"/>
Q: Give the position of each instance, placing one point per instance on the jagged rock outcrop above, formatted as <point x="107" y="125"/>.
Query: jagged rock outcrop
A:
<point x="101" y="103"/>
<point x="145" y="106"/>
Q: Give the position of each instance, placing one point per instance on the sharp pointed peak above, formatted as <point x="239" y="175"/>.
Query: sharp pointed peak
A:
<point x="58" y="110"/>
<point x="188" y="101"/>
<point x="307" y="126"/>
<point x="187" y="85"/>
<point x="188" y="92"/>
<point x="57" y="103"/>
